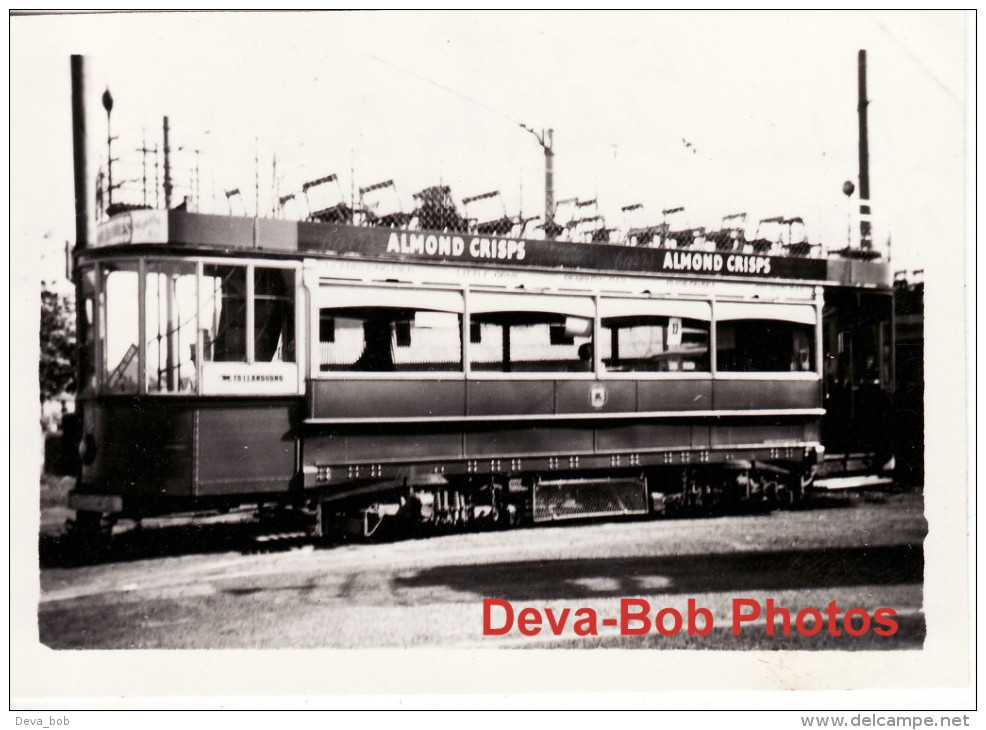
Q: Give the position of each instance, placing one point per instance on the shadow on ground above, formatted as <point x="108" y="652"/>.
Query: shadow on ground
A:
<point x="733" y="573"/>
<point x="191" y="535"/>
<point x="245" y="536"/>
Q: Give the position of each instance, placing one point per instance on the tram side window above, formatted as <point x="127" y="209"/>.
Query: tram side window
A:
<point x="654" y="344"/>
<point x="170" y="326"/>
<point x="224" y="313"/>
<point x="530" y="342"/>
<point x="760" y="345"/>
<point x="273" y="302"/>
<point x="389" y="339"/>
<point x="119" y="327"/>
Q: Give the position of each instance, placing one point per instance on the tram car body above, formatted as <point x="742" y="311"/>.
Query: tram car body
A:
<point x="380" y="375"/>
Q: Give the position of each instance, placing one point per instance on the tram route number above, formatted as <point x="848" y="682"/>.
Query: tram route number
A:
<point x="674" y="331"/>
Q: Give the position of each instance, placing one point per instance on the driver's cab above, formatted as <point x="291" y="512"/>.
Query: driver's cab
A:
<point x="155" y="325"/>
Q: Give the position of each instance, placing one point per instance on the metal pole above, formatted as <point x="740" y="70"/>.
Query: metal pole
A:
<point x="197" y="179"/>
<point x="275" y="187"/>
<point x="865" y="234"/>
<point x="167" y="168"/>
<point x="83" y="213"/>
<point x="143" y="154"/>
<point x="80" y="141"/>
<point x="157" y="187"/>
<point x="108" y="105"/>
<point x="546" y="140"/>
<point x="549" y="178"/>
<point x="171" y="334"/>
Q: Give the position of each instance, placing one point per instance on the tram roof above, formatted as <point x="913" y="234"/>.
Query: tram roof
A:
<point x="242" y="235"/>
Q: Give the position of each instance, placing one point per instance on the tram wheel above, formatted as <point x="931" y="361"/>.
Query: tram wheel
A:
<point x="87" y="523"/>
<point x="793" y="493"/>
<point x="90" y="536"/>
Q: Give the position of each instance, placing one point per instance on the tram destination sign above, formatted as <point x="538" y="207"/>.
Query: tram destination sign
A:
<point x="136" y="226"/>
<point x="386" y="243"/>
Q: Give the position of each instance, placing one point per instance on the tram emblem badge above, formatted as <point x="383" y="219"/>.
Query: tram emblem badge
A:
<point x="598" y="396"/>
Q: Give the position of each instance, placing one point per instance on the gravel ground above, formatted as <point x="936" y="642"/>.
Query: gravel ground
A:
<point x="212" y="584"/>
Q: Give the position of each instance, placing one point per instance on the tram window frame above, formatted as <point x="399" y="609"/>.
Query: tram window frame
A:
<point x="175" y="309"/>
<point x="793" y="329"/>
<point x="247" y="328"/>
<point x="199" y="375"/>
<point x="119" y="374"/>
<point x="673" y="361"/>
<point x="277" y="294"/>
<point x="228" y="310"/>
<point x="553" y="321"/>
<point x="411" y="315"/>
<point x="88" y="337"/>
<point x="251" y="375"/>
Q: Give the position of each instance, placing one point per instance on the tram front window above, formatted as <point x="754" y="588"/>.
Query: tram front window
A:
<point x="273" y="315"/>
<point x="119" y="327"/>
<point x="226" y="307"/>
<point x="170" y="328"/>
<point x="224" y="313"/>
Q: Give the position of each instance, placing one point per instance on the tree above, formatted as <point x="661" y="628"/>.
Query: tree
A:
<point x="57" y="367"/>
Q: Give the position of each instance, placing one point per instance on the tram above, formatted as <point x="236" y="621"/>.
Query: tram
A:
<point x="380" y="374"/>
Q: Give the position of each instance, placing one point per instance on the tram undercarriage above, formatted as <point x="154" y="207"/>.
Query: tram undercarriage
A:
<point x="439" y="504"/>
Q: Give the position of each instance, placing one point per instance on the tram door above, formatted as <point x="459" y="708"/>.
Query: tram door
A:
<point x="858" y="377"/>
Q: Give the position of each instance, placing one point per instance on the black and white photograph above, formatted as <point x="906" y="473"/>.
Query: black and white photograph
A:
<point x="616" y="358"/>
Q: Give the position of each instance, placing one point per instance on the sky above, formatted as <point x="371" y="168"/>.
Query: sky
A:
<point x="717" y="112"/>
